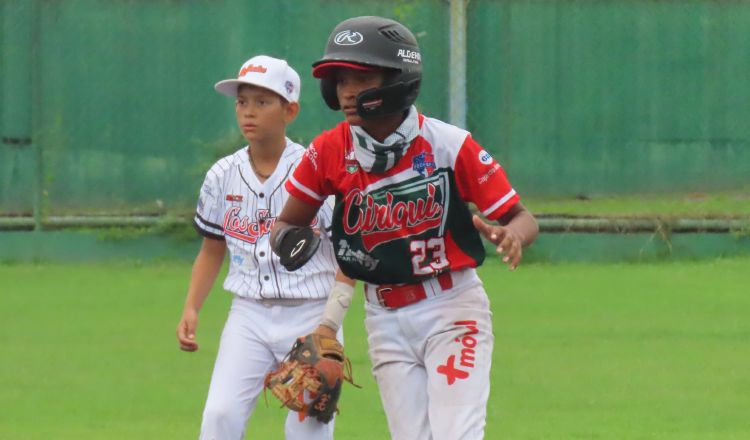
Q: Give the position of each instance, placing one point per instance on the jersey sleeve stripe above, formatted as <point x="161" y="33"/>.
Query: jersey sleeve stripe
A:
<point x="499" y="203"/>
<point x="207" y="229"/>
<point x="205" y="233"/>
<point x="310" y="193"/>
<point x="208" y="223"/>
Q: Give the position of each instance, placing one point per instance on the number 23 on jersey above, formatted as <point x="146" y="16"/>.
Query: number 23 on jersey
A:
<point x="428" y="256"/>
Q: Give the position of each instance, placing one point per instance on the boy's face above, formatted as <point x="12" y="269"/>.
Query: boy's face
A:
<point x="262" y="115"/>
<point x="349" y="84"/>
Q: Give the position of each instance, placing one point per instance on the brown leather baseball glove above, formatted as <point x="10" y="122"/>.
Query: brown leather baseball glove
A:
<point x="315" y="364"/>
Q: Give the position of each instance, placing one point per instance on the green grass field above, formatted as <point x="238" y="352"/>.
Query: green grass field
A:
<point x="713" y="204"/>
<point x="658" y="351"/>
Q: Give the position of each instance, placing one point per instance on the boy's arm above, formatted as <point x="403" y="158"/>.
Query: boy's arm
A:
<point x="518" y="229"/>
<point x="338" y="303"/>
<point x="205" y="269"/>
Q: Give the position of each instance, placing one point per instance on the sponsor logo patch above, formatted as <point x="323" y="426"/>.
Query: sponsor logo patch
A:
<point x="466" y="359"/>
<point x="486" y="177"/>
<point x="346" y="253"/>
<point x="233" y="198"/>
<point x="485" y="157"/>
<point x="409" y="56"/>
<point x="312" y="155"/>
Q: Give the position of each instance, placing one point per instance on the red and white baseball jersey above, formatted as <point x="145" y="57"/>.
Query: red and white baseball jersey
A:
<point x="237" y="207"/>
<point x="412" y="222"/>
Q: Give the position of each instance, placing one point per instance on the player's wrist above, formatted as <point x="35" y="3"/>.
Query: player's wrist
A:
<point x="338" y="303"/>
<point x="190" y="309"/>
<point x="327" y="328"/>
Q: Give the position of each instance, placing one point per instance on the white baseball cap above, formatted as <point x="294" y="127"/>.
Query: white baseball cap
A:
<point x="267" y="72"/>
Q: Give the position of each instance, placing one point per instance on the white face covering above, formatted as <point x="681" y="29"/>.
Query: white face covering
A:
<point x="379" y="157"/>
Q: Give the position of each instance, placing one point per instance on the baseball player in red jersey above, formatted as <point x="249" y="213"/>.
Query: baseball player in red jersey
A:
<point x="401" y="224"/>
<point x="239" y="201"/>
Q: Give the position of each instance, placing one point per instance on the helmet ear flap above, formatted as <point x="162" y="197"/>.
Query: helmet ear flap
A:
<point x="328" y="90"/>
<point x="389" y="99"/>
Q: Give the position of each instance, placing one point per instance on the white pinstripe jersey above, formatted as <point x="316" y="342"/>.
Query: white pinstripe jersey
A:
<point x="235" y="206"/>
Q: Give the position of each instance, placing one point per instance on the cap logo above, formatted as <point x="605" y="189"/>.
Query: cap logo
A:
<point x="348" y="38"/>
<point x="251" y="68"/>
<point x="289" y="87"/>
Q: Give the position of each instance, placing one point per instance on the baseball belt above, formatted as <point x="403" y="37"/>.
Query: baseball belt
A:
<point x="394" y="296"/>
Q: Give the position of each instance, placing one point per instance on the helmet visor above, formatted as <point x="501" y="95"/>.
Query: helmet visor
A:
<point x="326" y="69"/>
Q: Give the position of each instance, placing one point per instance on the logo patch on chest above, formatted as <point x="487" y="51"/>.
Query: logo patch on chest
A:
<point x="350" y="163"/>
<point x="424" y="163"/>
<point x="397" y="211"/>
<point x="245" y="229"/>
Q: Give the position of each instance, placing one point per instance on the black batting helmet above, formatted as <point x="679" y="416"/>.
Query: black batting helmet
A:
<point x="373" y="42"/>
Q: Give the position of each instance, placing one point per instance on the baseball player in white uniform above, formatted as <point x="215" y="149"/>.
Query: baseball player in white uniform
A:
<point x="238" y="204"/>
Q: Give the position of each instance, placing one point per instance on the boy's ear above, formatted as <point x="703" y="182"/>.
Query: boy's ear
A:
<point x="291" y="110"/>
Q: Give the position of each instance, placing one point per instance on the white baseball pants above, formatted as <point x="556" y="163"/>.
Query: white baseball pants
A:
<point x="432" y="361"/>
<point x="255" y="339"/>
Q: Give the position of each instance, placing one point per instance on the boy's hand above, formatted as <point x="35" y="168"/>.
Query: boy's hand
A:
<point x="186" y="330"/>
<point x="508" y="242"/>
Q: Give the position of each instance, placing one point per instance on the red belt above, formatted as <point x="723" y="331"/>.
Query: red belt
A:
<point x="394" y="296"/>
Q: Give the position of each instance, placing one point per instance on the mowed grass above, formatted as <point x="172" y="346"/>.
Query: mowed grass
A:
<point x="657" y="351"/>
<point x="712" y="204"/>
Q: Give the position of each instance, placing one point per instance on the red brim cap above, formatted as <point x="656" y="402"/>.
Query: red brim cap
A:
<point x="327" y="69"/>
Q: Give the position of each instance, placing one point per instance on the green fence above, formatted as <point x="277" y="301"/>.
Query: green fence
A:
<point x="573" y="96"/>
<point x="613" y="96"/>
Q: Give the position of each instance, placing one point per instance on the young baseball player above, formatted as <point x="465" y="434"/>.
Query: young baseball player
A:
<point x="240" y="199"/>
<point x="401" y="224"/>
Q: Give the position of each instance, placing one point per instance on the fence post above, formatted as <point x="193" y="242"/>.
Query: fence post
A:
<point x="35" y="116"/>
<point x="17" y="70"/>
<point x="457" y="64"/>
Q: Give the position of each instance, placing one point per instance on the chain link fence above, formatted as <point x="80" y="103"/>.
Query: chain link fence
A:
<point x="573" y="97"/>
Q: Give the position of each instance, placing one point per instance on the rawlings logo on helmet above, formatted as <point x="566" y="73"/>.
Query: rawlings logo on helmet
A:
<point x="348" y="38"/>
